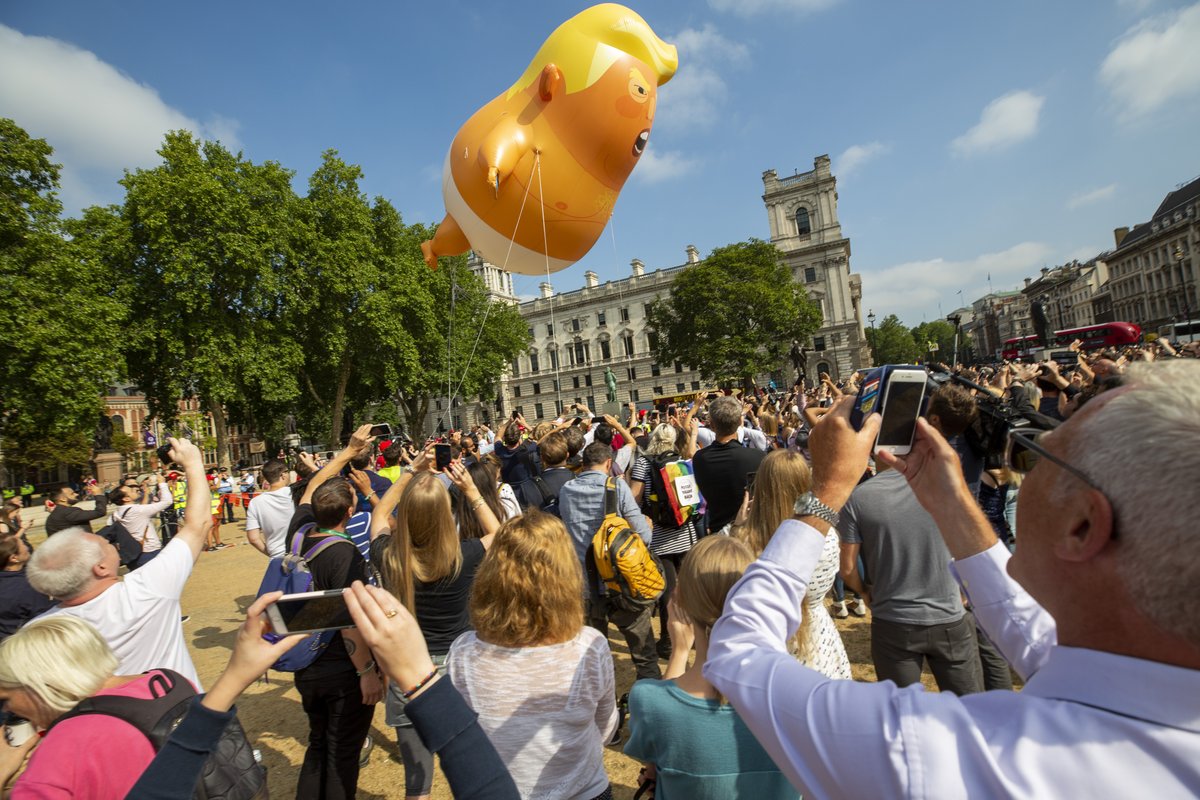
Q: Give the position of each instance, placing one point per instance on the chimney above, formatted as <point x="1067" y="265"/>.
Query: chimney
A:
<point x="1119" y="235"/>
<point x="639" y="269"/>
<point x="693" y="255"/>
<point x="591" y="280"/>
<point x="1027" y="282"/>
<point x="1045" y="270"/>
<point x="547" y="289"/>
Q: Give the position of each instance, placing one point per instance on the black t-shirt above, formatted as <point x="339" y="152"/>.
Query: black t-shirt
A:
<point x="335" y="567"/>
<point x="721" y="471"/>
<point x="442" y="605"/>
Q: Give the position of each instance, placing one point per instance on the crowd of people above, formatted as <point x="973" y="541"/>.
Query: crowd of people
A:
<point x="484" y="571"/>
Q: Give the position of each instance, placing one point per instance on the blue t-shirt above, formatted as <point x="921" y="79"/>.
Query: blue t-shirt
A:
<point x="702" y="748"/>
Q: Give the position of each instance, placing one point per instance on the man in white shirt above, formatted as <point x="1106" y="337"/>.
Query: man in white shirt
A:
<point x="138" y="615"/>
<point x="269" y="513"/>
<point x="138" y="517"/>
<point x="1098" y="616"/>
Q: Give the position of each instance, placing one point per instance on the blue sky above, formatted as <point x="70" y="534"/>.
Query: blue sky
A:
<point x="968" y="138"/>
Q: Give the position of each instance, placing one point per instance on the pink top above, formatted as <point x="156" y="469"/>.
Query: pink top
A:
<point x="92" y="757"/>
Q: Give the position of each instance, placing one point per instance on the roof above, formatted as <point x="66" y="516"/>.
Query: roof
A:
<point x="1180" y="197"/>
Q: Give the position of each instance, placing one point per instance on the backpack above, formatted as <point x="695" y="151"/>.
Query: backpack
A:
<point x="231" y="772"/>
<point x="534" y="492"/>
<point x="129" y="549"/>
<point x="672" y="496"/>
<point x="621" y="559"/>
<point x="290" y="574"/>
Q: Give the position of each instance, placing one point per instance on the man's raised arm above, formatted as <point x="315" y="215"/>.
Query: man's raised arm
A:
<point x="197" y="517"/>
<point x="360" y="440"/>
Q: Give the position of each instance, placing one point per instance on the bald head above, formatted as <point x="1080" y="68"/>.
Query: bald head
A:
<point x="65" y="566"/>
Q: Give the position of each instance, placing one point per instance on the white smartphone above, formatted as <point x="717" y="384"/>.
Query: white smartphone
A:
<point x="901" y="406"/>
<point x="309" y="612"/>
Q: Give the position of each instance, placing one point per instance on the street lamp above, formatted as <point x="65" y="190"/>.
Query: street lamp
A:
<point x="1187" y="311"/>
<point x="871" y="319"/>
<point x="956" y="320"/>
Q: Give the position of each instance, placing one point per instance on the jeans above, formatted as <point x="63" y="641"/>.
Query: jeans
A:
<point x="338" y="722"/>
<point x="839" y="586"/>
<point x="898" y="651"/>
<point x="417" y="760"/>
<point x="227" y="507"/>
<point x="632" y="619"/>
<point x="143" y="560"/>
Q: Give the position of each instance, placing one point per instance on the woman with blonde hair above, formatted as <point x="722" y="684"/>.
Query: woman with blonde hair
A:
<point x="46" y="669"/>
<point x="693" y="741"/>
<point x="430" y="569"/>
<point x="541" y="681"/>
<point x="782" y="477"/>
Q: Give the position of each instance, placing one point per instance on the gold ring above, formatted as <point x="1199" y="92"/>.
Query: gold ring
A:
<point x="392" y="613"/>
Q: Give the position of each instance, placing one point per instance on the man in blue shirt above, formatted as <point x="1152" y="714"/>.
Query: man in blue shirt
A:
<point x="581" y="505"/>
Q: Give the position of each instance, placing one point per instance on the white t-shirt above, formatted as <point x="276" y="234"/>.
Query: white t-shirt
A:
<point x="139" y="616"/>
<point x="550" y="732"/>
<point x="271" y="512"/>
<point x="138" y="518"/>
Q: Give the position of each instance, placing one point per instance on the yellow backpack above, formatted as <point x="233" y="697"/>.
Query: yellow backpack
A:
<point x="621" y="557"/>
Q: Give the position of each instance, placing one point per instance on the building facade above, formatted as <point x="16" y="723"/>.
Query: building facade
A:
<point x="1153" y="272"/>
<point x="1068" y="292"/>
<point x="996" y="318"/>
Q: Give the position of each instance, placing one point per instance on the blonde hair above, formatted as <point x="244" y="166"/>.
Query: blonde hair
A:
<point x="425" y="547"/>
<point x="60" y="660"/>
<point x="587" y="44"/>
<point x="662" y="440"/>
<point x="709" y="571"/>
<point x="782" y="477"/>
<point x="529" y="590"/>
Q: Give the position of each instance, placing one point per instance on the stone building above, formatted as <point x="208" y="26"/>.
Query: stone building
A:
<point x="1067" y="292"/>
<point x="997" y="317"/>
<point x="1153" y="272"/>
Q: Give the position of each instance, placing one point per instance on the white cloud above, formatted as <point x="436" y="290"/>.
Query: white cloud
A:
<point x="654" y="167"/>
<point x="99" y="120"/>
<point x="695" y="95"/>
<point x="915" y="288"/>
<point x="857" y="155"/>
<point x="750" y="7"/>
<point x="1008" y="119"/>
<point x="1155" y="62"/>
<point x="1094" y="196"/>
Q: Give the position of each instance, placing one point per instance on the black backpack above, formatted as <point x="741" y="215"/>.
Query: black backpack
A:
<point x="231" y="772"/>
<point x="129" y="549"/>
<point x="658" y="504"/>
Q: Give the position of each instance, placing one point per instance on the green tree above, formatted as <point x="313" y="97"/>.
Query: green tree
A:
<point x="60" y="319"/>
<point x="733" y="315"/>
<point x="938" y="332"/>
<point x="210" y="258"/>
<point x="892" y="343"/>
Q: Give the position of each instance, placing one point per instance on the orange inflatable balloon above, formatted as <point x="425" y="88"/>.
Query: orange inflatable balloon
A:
<point x="565" y="136"/>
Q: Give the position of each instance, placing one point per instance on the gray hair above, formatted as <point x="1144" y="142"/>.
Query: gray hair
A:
<point x="662" y="440"/>
<point x="725" y="415"/>
<point x="62" y="567"/>
<point x="1155" y="422"/>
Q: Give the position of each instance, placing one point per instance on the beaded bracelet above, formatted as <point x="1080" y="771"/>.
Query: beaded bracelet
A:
<point x="420" y="685"/>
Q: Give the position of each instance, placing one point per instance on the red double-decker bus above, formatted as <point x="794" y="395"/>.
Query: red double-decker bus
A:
<point x="1094" y="337"/>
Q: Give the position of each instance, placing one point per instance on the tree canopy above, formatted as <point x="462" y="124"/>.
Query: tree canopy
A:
<point x="734" y="315"/>
<point x="892" y="343"/>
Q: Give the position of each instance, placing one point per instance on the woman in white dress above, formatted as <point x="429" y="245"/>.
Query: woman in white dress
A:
<point x="782" y="477"/>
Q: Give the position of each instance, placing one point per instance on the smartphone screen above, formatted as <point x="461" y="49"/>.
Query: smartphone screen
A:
<point x="901" y="408"/>
<point x="382" y="429"/>
<point x="441" y="455"/>
<point x="313" y="611"/>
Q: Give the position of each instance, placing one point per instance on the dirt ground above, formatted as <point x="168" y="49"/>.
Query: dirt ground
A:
<point x="223" y="586"/>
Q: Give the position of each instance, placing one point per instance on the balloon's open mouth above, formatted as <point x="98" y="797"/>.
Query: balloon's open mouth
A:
<point x="640" y="144"/>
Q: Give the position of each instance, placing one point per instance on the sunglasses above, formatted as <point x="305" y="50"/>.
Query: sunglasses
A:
<point x="1023" y="451"/>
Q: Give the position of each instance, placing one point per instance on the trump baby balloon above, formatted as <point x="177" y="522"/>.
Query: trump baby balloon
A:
<point x="564" y="137"/>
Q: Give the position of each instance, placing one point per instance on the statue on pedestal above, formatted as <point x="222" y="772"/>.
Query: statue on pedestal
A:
<point x="610" y="380"/>
<point x="799" y="357"/>
<point x="102" y="439"/>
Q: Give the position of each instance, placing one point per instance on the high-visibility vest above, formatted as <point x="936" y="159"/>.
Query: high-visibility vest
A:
<point x="9" y="492"/>
<point x="180" y="495"/>
<point x="27" y="490"/>
<point x="216" y="504"/>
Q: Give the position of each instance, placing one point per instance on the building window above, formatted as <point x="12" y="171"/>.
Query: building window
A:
<point x="679" y="387"/>
<point x="533" y="362"/>
<point x="575" y="382"/>
<point x="553" y="359"/>
<point x="579" y="353"/>
<point x="530" y="331"/>
<point x="652" y="340"/>
<point x="628" y="341"/>
<point x="516" y="390"/>
<point x="696" y="386"/>
<point x="605" y="350"/>
<point x="537" y="410"/>
<point x="575" y="325"/>
<point x="655" y="370"/>
<point x="803" y="226"/>
<point x="516" y="368"/>
<point x="601" y="319"/>
<point x="823" y="366"/>
<point x="537" y="388"/>
<point x="632" y="373"/>
<point x="658" y="391"/>
<point x="633" y="395"/>
<point x="819" y="344"/>
<point x="646" y="309"/>
<point x="587" y="379"/>
<point x="625" y="314"/>
<point x="810" y="274"/>
<point x="678" y="367"/>
<point x="555" y="382"/>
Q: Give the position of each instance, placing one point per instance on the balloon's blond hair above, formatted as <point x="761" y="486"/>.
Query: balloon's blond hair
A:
<point x="587" y="44"/>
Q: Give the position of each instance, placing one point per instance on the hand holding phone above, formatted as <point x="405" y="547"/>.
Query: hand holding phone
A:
<point x="902" y="401"/>
<point x="309" y="612"/>
<point x="441" y="457"/>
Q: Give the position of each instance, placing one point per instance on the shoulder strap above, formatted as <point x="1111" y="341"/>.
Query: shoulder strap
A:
<point x="322" y="546"/>
<point x="169" y="689"/>
<point x="610" y="497"/>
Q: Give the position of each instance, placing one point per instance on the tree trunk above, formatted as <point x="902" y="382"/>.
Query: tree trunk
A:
<point x="339" y="402"/>
<point x="415" y="411"/>
<point x="222" y="430"/>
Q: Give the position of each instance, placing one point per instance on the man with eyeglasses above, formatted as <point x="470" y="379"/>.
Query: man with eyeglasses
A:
<point x="1095" y="610"/>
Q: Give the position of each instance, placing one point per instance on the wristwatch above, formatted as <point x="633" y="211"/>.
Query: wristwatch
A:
<point x="807" y="505"/>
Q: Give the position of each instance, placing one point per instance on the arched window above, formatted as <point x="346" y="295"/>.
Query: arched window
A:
<point x="118" y="423"/>
<point x="803" y="226"/>
<point x="823" y="367"/>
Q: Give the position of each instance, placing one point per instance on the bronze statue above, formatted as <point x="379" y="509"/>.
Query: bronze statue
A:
<point x="610" y="380"/>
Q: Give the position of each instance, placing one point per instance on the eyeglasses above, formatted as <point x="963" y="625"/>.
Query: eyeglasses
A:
<point x="1022" y="452"/>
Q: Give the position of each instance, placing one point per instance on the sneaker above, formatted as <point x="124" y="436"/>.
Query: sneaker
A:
<point x="365" y="755"/>
<point x="184" y="618"/>
<point x="859" y="609"/>
<point x="839" y="610"/>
